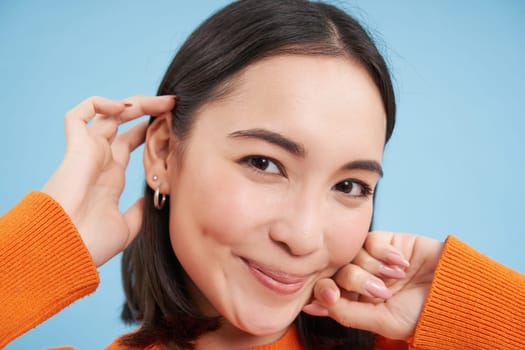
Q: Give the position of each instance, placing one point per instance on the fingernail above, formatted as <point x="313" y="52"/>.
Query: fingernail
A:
<point x="315" y="310"/>
<point x="391" y="271"/>
<point x="329" y="295"/>
<point x="378" y="289"/>
<point x="396" y="259"/>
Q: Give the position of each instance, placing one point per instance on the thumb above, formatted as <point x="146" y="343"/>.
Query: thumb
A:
<point x="375" y="318"/>
<point x="133" y="219"/>
<point x="356" y="314"/>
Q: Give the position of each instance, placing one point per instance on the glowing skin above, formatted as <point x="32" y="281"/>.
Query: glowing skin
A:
<point x="254" y="234"/>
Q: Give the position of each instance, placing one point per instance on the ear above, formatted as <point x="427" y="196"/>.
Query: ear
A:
<point x="159" y="149"/>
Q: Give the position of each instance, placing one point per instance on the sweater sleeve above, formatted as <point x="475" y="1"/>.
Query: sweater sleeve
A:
<point x="474" y="303"/>
<point x="44" y="266"/>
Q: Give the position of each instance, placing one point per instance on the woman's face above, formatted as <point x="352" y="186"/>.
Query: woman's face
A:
<point x="274" y="189"/>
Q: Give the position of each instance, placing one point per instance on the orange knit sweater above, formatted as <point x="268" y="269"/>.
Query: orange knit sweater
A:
<point x="474" y="303"/>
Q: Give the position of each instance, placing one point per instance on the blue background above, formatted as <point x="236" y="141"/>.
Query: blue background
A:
<point x="454" y="165"/>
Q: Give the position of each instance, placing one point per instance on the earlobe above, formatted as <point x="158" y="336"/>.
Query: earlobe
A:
<point x="157" y="152"/>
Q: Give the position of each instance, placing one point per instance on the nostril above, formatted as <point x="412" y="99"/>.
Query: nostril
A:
<point x="284" y="247"/>
<point x="294" y="244"/>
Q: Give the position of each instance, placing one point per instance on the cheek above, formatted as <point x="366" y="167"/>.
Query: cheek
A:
<point x="231" y="213"/>
<point x="224" y="206"/>
<point x="347" y="235"/>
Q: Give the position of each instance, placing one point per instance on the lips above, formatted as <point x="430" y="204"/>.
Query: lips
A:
<point x="278" y="281"/>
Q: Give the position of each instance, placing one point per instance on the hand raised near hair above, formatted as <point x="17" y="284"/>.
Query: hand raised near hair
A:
<point x="383" y="290"/>
<point x="89" y="181"/>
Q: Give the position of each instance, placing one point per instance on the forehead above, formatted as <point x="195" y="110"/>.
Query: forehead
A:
<point x="310" y="98"/>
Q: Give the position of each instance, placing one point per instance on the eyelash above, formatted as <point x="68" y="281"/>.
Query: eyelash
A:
<point x="366" y="190"/>
<point x="250" y="159"/>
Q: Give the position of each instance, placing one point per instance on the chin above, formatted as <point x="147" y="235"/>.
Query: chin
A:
<point x="264" y="323"/>
<point x="264" y="329"/>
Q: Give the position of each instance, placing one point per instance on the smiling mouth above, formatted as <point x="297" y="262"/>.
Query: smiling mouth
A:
<point x="278" y="281"/>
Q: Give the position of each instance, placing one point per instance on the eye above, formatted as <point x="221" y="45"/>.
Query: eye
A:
<point x="263" y="164"/>
<point x="353" y="188"/>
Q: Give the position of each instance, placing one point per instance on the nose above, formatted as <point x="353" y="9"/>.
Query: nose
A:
<point x="299" y="229"/>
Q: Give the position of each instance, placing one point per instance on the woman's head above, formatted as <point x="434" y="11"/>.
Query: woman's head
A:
<point x="270" y="158"/>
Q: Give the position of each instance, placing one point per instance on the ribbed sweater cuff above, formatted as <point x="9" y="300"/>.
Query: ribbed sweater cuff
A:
<point x="474" y="303"/>
<point x="45" y="265"/>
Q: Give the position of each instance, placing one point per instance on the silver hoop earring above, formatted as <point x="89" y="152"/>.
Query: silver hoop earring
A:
<point x="159" y="199"/>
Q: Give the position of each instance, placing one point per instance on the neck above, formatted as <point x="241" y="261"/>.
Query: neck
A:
<point x="228" y="337"/>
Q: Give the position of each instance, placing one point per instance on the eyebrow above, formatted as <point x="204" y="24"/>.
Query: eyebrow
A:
<point x="273" y="138"/>
<point x="370" y="165"/>
<point x="299" y="150"/>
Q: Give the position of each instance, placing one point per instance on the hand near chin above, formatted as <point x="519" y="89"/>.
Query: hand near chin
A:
<point x="383" y="290"/>
<point x="89" y="181"/>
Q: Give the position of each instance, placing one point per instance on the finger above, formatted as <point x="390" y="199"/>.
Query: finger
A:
<point x="375" y="318"/>
<point x="376" y="267"/>
<point x="353" y="278"/>
<point x="76" y="118"/>
<point x="147" y="105"/>
<point x="133" y="218"/>
<point x="127" y="142"/>
<point x="381" y="246"/>
<point x="358" y="315"/>
<point x="104" y="126"/>
<point x="326" y="291"/>
<point x="315" y="309"/>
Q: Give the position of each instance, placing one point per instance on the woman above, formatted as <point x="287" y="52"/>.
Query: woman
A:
<point x="270" y="160"/>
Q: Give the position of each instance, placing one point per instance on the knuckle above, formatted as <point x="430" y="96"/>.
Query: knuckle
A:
<point x="92" y="100"/>
<point x="69" y="115"/>
<point x="348" y="277"/>
<point x="136" y="97"/>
